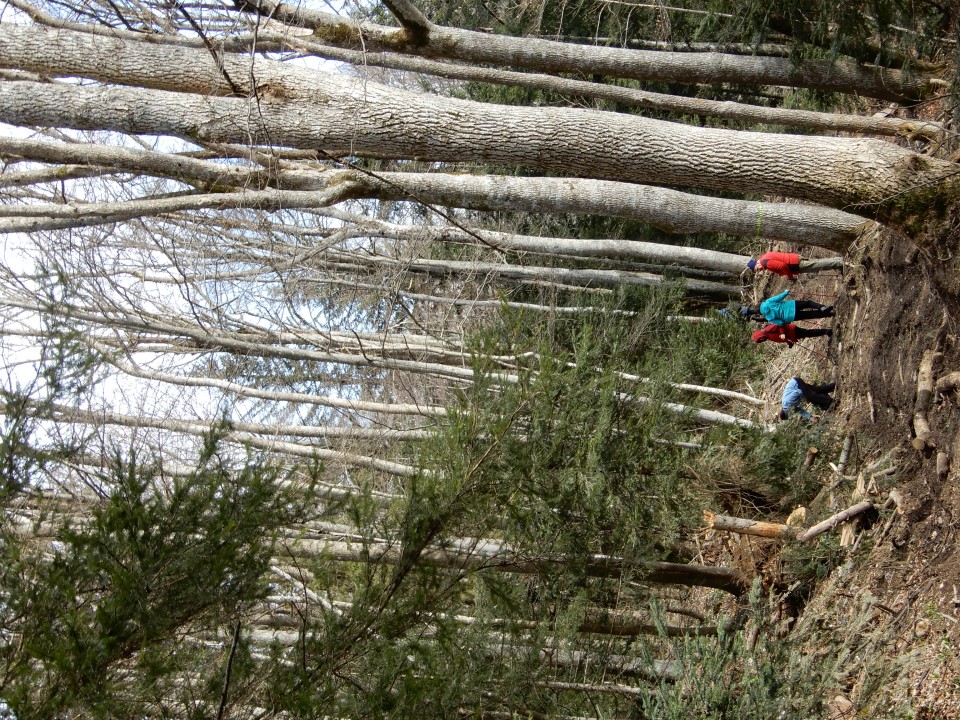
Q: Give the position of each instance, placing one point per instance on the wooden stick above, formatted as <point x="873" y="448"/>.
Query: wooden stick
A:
<point x="844" y="454"/>
<point x="943" y="464"/>
<point x="833" y="521"/>
<point x="893" y="499"/>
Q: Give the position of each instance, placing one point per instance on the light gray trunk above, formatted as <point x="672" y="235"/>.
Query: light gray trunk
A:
<point x="582" y="277"/>
<point x="241" y="436"/>
<point x="670" y="210"/>
<point x="301" y="108"/>
<point x="726" y="109"/>
<point x="551" y="56"/>
<point x="598" y="248"/>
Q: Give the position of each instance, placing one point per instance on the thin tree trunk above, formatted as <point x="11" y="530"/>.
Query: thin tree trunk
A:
<point x="227" y="386"/>
<point x="503" y="559"/>
<point x="597" y="622"/>
<point x="692" y="257"/>
<point x="585" y="277"/>
<point x="241" y="436"/>
<point x="835" y="520"/>
<point x="421" y="37"/>
<point x="728" y="110"/>
<point x="703" y="389"/>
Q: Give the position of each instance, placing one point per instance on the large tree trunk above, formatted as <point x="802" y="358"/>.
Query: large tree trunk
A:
<point x="298" y="107"/>
<point x="424" y="38"/>
<point x="726" y="109"/>
<point x="670" y="210"/>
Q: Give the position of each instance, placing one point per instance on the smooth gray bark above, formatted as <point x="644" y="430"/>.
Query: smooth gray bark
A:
<point x="585" y="277"/>
<point x="680" y="255"/>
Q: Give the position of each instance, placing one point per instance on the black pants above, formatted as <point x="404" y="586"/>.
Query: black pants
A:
<point x="813" y="332"/>
<point x="818" y="395"/>
<point x="809" y="310"/>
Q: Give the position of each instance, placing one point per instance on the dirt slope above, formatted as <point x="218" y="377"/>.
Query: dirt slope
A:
<point x="896" y="300"/>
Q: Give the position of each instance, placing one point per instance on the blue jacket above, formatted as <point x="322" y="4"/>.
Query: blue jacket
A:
<point x="779" y="311"/>
<point x="793" y="398"/>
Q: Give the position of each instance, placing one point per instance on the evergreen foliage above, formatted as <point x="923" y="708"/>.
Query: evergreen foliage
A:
<point x="135" y="603"/>
<point x="716" y="353"/>
<point x="153" y="560"/>
<point x="66" y="370"/>
<point x="729" y="677"/>
<point x="542" y="462"/>
<point x="757" y="672"/>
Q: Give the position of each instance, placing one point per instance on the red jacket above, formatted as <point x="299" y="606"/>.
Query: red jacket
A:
<point x="777" y="333"/>
<point x="780" y="263"/>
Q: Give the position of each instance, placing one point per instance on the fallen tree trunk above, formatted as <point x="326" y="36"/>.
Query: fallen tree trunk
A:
<point x="834" y="520"/>
<point x="743" y="526"/>
<point x="778" y="531"/>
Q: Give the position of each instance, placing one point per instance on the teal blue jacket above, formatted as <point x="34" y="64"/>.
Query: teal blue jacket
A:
<point x="779" y="311"/>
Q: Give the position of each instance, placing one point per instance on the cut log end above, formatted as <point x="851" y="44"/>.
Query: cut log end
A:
<point x="924" y="436"/>
<point x="943" y="464"/>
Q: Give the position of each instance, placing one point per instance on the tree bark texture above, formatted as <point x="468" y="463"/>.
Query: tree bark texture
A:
<point x="670" y="210"/>
<point x="297" y="107"/>
<point x="745" y="526"/>
<point x="431" y="40"/>
<point x="692" y="257"/>
<point x="726" y="109"/>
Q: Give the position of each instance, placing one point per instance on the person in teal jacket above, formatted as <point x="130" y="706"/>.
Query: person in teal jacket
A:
<point x="781" y="311"/>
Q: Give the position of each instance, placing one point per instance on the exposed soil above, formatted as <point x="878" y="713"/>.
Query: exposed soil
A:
<point x="896" y="300"/>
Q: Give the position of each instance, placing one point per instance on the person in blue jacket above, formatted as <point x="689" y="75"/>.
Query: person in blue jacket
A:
<point x="798" y="391"/>
<point x="781" y="311"/>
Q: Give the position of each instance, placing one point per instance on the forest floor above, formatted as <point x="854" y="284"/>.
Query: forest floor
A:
<point x="898" y="590"/>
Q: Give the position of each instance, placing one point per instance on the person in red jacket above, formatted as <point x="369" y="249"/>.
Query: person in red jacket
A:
<point x="789" y="264"/>
<point x="788" y="333"/>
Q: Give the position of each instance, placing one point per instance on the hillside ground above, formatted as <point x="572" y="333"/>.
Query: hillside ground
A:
<point x="896" y="584"/>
